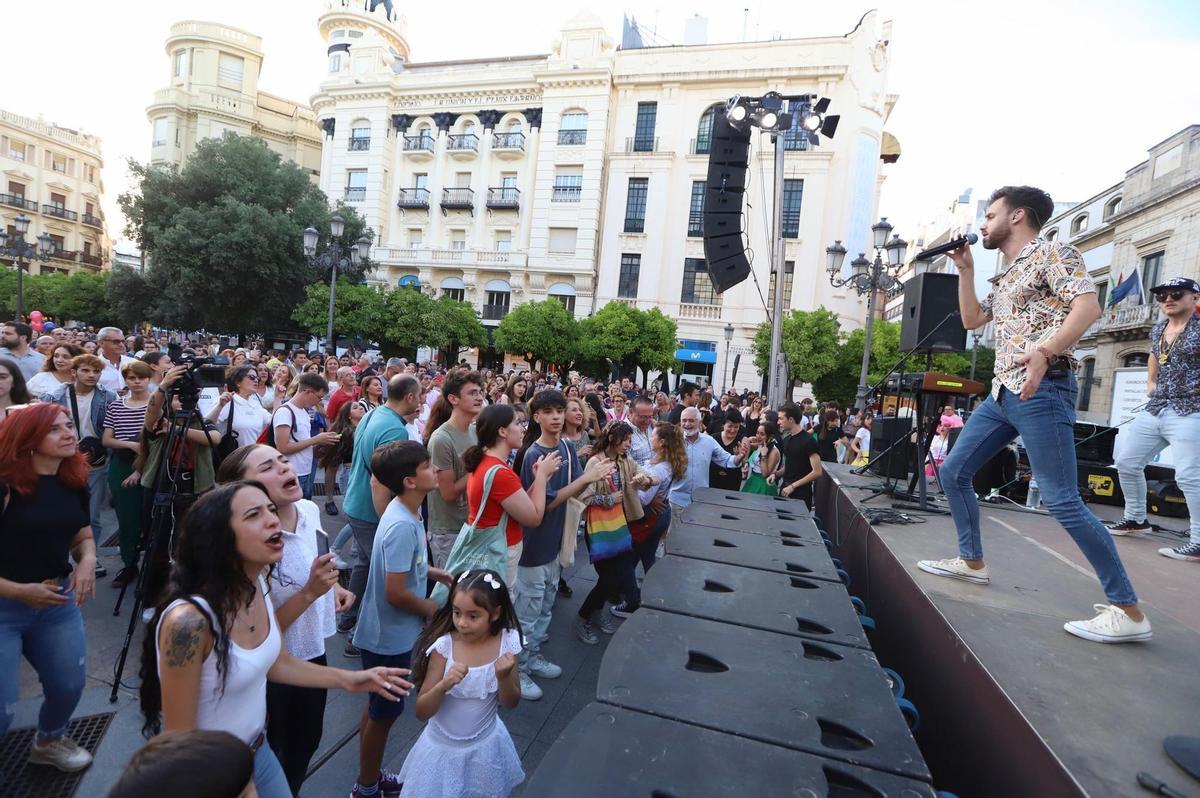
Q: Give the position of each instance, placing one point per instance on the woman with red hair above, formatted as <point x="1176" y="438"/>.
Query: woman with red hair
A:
<point x="44" y="521"/>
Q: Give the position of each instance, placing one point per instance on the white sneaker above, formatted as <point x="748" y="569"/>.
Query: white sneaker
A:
<point x="529" y="689"/>
<point x="956" y="568"/>
<point x="542" y="668"/>
<point x="1189" y="552"/>
<point x="63" y="753"/>
<point x="1111" y="625"/>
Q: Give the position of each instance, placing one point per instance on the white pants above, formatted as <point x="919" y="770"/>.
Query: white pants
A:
<point x="1145" y="437"/>
<point x="514" y="557"/>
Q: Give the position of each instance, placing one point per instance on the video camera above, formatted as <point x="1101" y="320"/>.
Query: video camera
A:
<point x="202" y="372"/>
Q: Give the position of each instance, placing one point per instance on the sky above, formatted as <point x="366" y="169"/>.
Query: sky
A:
<point x="1063" y="94"/>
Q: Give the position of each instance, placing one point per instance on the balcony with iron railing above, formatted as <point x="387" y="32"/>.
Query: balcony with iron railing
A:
<point x="93" y="221"/>
<point x="572" y="138"/>
<point x="504" y="198"/>
<point x="566" y="193"/>
<point x="63" y="254"/>
<point x="458" y="199"/>
<point x="413" y="198"/>
<point x="90" y="260"/>
<point x="462" y="145"/>
<point x="356" y="193"/>
<point x="695" y="224"/>
<point x="1130" y="321"/>
<point x="420" y="146"/>
<point x="508" y="145"/>
<point x="494" y="312"/>
<point x="60" y="212"/>
<point x="18" y="201"/>
<point x="360" y="143"/>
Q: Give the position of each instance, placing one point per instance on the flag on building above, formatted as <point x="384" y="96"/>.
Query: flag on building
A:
<point x="1126" y="287"/>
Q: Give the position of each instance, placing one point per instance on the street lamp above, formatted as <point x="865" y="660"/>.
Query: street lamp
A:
<point x="23" y="252"/>
<point x="336" y="256"/>
<point x="725" y="368"/>
<point x="868" y="277"/>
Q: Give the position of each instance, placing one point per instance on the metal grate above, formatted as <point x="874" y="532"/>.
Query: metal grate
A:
<point x="22" y="779"/>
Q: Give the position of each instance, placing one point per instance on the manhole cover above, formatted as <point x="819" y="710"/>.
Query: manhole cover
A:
<point x="21" y="779"/>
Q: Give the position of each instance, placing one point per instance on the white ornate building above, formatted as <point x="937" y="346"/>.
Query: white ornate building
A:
<point x="571" y="174"/>
<point x="51" y="176"/>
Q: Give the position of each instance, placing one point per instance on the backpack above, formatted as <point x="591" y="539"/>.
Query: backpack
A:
<point x="267" y="436"/>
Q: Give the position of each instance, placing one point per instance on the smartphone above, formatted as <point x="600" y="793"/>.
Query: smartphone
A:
<point x="322" y="543"/>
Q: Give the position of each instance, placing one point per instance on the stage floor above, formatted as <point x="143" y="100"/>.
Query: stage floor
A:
<point x="990" y="667"/>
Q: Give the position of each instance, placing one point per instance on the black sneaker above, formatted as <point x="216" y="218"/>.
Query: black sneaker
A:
<point x="623" y="610"/>
<point x="125" y="576"/>
<point x="564" y="589"/>
<point x="1189" y="552"/>
<point x="331" y="508"/>
<point x="1128" y="527"/>
<point x="352" y="650"/>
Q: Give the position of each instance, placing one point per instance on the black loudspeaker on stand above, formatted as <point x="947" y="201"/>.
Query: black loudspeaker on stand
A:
<point x="928" y="299"/>
<point x="724" y="246"/>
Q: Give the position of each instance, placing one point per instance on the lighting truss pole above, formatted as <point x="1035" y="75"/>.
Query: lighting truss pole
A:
<point x="778" y="367"/>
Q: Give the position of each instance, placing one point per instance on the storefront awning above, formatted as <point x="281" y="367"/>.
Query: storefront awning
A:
<point x="695" y="356"/>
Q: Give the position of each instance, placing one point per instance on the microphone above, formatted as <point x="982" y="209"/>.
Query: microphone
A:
<point x="933" y="252"/>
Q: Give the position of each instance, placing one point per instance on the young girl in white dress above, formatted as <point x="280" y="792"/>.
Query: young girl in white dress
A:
<point x="465" y="661"/>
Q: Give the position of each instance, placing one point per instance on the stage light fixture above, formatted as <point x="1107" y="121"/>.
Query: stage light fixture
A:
<point x="810" y="122"/>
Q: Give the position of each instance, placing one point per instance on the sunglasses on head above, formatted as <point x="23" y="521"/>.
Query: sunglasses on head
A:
<point x="1163" y="296"/>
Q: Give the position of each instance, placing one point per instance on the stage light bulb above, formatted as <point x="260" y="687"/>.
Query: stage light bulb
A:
<point x="738" y="113"/>
<point x="811" y="123"/>
<point x="769" y="120"/>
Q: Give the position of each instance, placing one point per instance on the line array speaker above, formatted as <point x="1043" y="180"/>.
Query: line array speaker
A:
<point x="728" y="162"/>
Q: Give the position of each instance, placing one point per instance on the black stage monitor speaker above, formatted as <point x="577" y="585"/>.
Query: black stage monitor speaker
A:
<point x="896" y="462"/>
<point x="928" y="299"/>
<point x="724" y="247"/>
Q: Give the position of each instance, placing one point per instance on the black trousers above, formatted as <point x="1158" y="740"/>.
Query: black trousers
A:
<point x="294" y="719"/>
<point x="611" y="576"/>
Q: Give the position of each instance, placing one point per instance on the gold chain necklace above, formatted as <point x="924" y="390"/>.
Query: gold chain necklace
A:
<point x="1164" y="346"/>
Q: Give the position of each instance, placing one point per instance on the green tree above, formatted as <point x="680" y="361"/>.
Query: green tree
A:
<point x="658" y="338"/>
<point x="358" y="310"/>
<point x="83" y="297"/>
<point x="810" y="344"/>
<point x="410" y="316"/>
<point x="543" y="332"/>
<point x="629" y="337"/>
<point x="130" y="296"/>
<point x="222" y="236"/>
<point x="458" y="327"/>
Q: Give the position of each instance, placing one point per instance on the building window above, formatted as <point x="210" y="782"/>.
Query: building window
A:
<point x="59" y="164"/>
<point x="697" y="286"/>
<point x="1101" y="295"/>
<point x="458" y="240"/>
<point x="793" y="192"/>
<point x="457" y="294"/>
<point x="568" y="185"/>
<point x="704" y="132"/>
<point x="16" y="150"/>
<point x="572" y="128"/>
<point x="59" y="201"/>
<point x="181" y="60"/>
<point x="420" y="180"/>
<point x="230" y="70"/>
<point x="796" y="137"/>
<point x="696" y="210"/>
<point x="643" y="134"/>
<point x="335" y="62"/>
<point x="627" y="282"/>
<point x="1051" y="235"/>
<point x="1079" y="224"/>
<point x="789" y="271"/>
<point x="360" y="137"/>
<point x="497" y="301"/>
<point x="1085" y="384"/>
<point x="1151" y="270"/>
<point x="503" y="241"/>
<point x="416" y="237"/>
<point x="635" y="204"/>
<point x="1136" y="360"/>
<point x="160" y="131"/>
<point x="16" y="189"/>
<point x="1112" y="207"/>
<point x="562" y="240"/>
<point x="567" y="300"/>
<point x="356" y="185"/>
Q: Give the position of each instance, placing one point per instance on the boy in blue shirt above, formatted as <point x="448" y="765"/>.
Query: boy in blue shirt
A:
<point x="394" y="606"/>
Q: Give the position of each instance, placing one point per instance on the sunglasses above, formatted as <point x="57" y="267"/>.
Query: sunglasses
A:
<point x="1163" y="296"/>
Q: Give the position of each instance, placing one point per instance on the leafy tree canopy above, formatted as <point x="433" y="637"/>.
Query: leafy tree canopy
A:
<point x="544" y="332"/>
<point x="810" y="345"/>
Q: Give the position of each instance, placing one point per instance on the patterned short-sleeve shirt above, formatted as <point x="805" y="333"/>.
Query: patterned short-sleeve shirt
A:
<point x="1178" y="374"/>
<point x="1029" y="302"/>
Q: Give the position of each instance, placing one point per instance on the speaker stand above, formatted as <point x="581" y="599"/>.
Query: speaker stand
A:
<point x="918" y="488"/>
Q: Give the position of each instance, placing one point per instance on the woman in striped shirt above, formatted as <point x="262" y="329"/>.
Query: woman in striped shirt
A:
<point x="122" y="435"/>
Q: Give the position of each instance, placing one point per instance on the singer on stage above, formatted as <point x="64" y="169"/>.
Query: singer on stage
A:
<point x="1041" y="303"/>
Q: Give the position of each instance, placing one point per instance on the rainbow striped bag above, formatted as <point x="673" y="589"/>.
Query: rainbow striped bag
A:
<point x="606" y="531"/>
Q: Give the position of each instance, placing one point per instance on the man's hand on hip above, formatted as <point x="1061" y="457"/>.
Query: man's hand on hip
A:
<point x="1035" y="364"/>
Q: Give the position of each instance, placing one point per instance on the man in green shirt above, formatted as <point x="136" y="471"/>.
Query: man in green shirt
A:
<point x="382" y="425"/>
<point x="462" y="398"/>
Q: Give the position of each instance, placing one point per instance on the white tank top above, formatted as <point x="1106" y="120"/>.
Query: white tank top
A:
<point x="241" y="708"/>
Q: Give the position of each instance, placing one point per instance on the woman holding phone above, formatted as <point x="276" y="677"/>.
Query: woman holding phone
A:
<point x="304" y="590"/>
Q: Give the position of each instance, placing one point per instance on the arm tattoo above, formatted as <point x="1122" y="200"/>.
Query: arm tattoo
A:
<point x="183" y="640"/>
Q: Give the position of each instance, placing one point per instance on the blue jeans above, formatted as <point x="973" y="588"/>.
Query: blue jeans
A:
<point x="269" y="779"/>
<point x="1145" y="437"/>
<point x="99" y="496"/>
<point x="306" y="484"/>
<point x="534" y="592"/>
<point x="52" y="640"/>
<point x="1046" y="424"/>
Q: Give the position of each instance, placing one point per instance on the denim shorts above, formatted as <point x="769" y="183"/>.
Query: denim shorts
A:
<point x="378" y="707"/>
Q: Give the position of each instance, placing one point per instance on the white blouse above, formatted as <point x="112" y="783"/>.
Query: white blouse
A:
<point x="305" y="638"/>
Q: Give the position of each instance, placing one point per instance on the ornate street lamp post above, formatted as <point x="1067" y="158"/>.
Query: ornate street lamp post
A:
<point x="868" y="277"/>
<point x="22" y="253"/>
<point x="336" y="257"/>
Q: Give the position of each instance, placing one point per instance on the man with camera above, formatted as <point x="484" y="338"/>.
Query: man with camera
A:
<point x="87" y="402"/>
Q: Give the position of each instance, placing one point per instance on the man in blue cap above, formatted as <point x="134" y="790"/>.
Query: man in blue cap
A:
<point x="1171" y="417"/>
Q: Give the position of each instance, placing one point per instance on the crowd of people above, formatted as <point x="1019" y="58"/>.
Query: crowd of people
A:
<point x="465" y="493"/>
